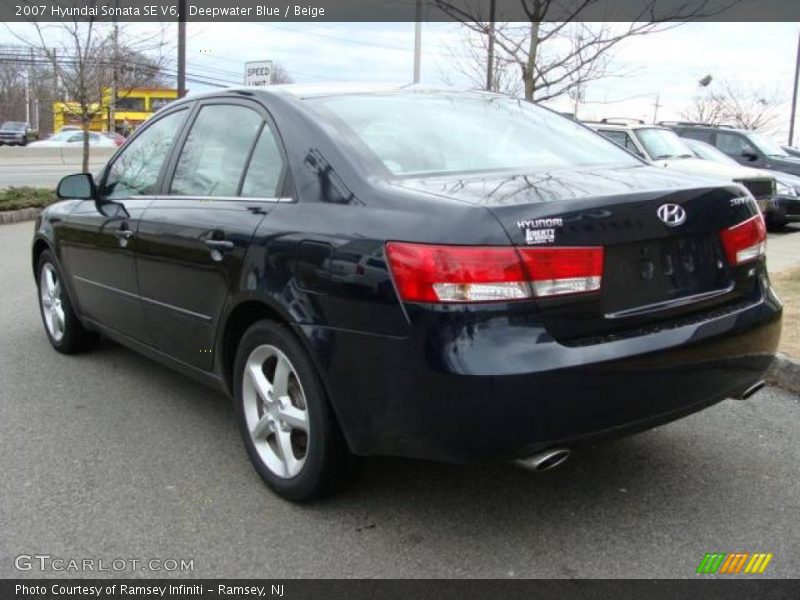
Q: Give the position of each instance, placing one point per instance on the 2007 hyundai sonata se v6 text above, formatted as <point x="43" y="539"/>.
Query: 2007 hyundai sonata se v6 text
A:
<point x="426" y="273"/>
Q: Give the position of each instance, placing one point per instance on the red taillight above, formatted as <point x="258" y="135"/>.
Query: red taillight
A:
<point x="746" y="241"/>
<point x="427" y="273"/>
<point x="556" y="271"/>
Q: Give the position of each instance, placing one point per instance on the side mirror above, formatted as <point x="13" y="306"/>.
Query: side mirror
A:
<point x="77" y="187"/>
<point x="749" y="154"/>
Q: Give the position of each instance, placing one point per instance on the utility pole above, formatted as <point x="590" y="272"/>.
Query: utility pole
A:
<point x="794" y="94"/>
<point x="490" y="47"/>
<point x="181" y="48"/>
<point x="657" y="105"/>
<point x="28" y="89"/>
<point x="28" y="97"/>
<point x="417" y="40"/>
<point x="112" y="104"/>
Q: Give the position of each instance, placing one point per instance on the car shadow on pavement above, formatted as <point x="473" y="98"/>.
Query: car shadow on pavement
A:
<point x="660" y="476"/>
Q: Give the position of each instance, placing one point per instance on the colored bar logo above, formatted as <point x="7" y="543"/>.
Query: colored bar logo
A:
<point x="734" y="563"/>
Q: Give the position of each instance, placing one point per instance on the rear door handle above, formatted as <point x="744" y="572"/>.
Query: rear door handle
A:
<point x="124" y="233"/>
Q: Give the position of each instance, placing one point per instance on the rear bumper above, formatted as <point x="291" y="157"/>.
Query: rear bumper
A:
<point x="504" y="389"/>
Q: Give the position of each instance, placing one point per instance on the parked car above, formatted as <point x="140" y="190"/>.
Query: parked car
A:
<point x="117" y="138"/>
<point x="16" y="133"/>
<point x="664" y="148"/>
<point x="540" y="287"/>
<point x="791" y="151"/>
<point x="783" y="207"/>
<point x="746" y="147"/>
<point x="68" y="139"/>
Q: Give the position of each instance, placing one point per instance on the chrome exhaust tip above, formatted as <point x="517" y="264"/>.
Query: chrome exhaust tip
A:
<point x="544" y="461"/>
<point x="751" y="390"/>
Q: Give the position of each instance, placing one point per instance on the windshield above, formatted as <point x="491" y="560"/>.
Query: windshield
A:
<point x="766" y="145"/>
<point x="663" y="143"/>
<point x="444" y="132"/>
<point x="709" y="152"/>
<point x="13" y="126"/>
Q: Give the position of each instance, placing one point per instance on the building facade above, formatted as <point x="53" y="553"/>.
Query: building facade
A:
<point x="133" y="107"/>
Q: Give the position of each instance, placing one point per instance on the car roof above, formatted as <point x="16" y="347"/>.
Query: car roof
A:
<point x="621" y="126"/>
<point x="319" y="90"/>
<point x="690" y="125"/>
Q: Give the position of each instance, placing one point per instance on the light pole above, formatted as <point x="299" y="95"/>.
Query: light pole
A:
<point x="181" y="48"/>
<point x="417" y="40"/>
<point x="794" y="94"/>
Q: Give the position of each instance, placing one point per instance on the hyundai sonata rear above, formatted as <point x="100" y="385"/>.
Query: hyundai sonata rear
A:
<point x="457" y="276"/>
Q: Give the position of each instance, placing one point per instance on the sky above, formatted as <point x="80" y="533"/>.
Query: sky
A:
<point x="666" y="65"/>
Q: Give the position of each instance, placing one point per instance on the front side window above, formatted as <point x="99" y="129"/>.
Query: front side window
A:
<point x="731" y="144"/>
<point x="135" y="172"/>
<point x="415" y="133"/>
<point x="215" y="153"/>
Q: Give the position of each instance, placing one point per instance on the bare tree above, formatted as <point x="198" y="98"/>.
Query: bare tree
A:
<point x="12" y="91"/>
<point x="470" y="59"/>
<point x="706" y="107"/>
<point x="280" y="74"/>
<point x="89" y="57"/>
<point x="552" y="57"/>
<point x="738" y="104"/>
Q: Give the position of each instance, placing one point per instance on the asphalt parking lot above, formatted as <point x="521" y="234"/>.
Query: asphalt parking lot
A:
<point x="108" y="455"/>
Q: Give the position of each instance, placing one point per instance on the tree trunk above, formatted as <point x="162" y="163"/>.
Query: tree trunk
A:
<point x="528" y="71"/>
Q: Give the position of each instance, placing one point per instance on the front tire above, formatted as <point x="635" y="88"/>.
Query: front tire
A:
<point x="776" y="218"/>
<point x="285" y="418"/>
<point x="62" y="326"/>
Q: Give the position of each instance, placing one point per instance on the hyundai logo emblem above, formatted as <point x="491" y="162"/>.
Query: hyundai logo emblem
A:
<point x="671" y="214"/>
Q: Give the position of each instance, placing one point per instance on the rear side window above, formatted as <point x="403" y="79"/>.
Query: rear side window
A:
<point x="622" y="138"/>
<point x="135" y="171"/>
<point x="266" y="167"/>
<point x="703" y="135"/>
<point x="214" y="156"/>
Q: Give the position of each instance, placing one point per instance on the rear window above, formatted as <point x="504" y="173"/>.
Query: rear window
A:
<point x="418" y="133"/>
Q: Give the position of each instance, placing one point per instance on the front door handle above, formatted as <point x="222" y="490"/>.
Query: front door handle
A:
<point x="124" y="234"/>
<point x="219" y="244"/>
<point x="217" y="247"/>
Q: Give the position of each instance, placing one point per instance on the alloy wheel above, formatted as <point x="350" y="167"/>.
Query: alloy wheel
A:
<point x="50" y="294"/>
<point x="275" y="411"/>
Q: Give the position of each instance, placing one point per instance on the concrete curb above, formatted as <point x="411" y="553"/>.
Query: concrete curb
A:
<point x="785" y="373"/>
<point x="15" y="216"/>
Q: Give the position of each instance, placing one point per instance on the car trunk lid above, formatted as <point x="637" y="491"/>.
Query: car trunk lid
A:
<point x="660" y="232"/>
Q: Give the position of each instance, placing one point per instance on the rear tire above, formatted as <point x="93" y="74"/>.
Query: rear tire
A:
<point x="62" y="326"/>
<point x="776" y="219"/>
<point x="286" y="421"/>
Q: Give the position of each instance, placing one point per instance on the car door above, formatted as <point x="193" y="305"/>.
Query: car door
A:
<point x="739" y="149"/>
<point x="99" y="238"/>
<point x="194" y="236"/>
